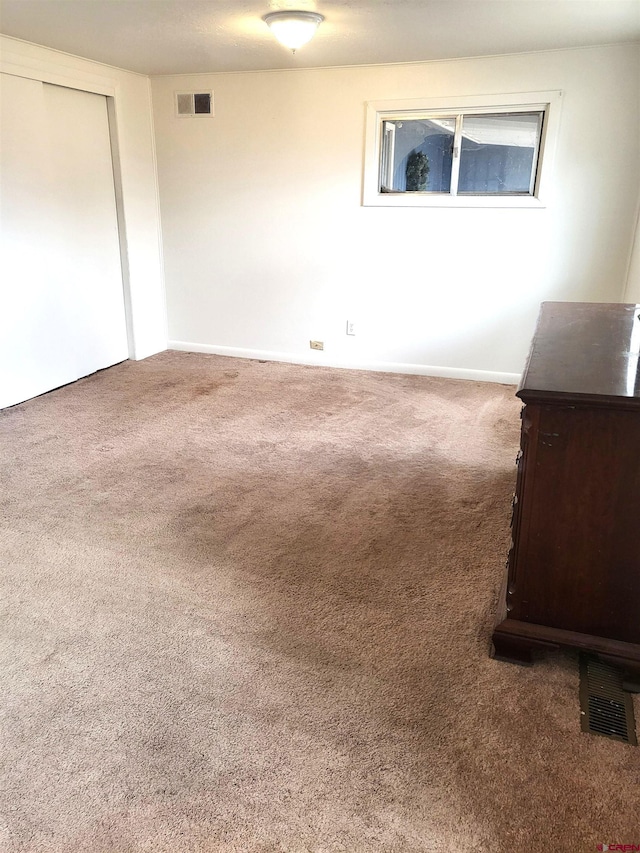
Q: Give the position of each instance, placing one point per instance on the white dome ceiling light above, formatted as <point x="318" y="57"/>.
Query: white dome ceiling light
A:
<point x="293" y="29"/>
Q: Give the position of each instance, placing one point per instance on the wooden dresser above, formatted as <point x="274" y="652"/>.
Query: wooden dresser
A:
<point x="573" y="571"/>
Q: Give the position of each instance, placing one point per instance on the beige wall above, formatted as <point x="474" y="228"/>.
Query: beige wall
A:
<point x="267" y="245"/>
<point x="632" y="293"/>
<point x="135" y="148"/>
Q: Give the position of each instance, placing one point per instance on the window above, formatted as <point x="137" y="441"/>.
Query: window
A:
<point x="493" y="151"/>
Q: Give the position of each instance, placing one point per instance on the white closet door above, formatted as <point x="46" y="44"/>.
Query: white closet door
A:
<point x="61" y="299"/>
<point x="85" y="226"/>
<point x="33" y="310"/>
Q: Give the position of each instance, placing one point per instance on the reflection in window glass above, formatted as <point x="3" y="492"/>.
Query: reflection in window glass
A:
<point x="499" y="153"/>
<point x="416" y="155"/>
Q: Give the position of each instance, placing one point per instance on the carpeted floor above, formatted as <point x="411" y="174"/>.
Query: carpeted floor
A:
<point x="247" y="607"/>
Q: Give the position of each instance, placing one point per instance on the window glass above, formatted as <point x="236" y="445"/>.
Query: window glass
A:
<point x="499" y="153"/>
<point x="417" y="155"/>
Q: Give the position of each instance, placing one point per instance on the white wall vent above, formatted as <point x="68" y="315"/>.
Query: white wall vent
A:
<point x="194" y="104"/>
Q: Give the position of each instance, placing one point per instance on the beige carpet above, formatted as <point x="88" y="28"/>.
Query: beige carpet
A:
<point x="247" y="607"/>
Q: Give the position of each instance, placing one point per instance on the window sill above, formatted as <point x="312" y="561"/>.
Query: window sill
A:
<point x="378" y="199"/>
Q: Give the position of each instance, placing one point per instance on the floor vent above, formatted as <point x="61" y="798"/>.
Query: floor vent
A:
<point x="606" y="709"/>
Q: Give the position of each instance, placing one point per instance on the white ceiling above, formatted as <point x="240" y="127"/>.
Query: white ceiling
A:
<point x="189" y="36"/>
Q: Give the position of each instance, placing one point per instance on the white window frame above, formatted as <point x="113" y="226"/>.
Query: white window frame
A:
<point x="407" y="109"/>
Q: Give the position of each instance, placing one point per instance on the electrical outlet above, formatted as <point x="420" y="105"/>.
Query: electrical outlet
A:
<point x="351" y="327"/>
<point x="316" y="344"/>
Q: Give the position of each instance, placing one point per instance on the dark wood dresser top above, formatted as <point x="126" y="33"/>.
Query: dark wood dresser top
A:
<point x="584" y="352"/>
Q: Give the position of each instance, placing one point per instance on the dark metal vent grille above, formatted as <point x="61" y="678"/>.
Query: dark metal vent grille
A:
<point x="605" y="707"/>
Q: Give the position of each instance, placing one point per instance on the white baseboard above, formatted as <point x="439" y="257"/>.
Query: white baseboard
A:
<point x="325" y="361"/>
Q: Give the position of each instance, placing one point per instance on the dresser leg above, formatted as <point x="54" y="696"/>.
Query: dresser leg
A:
<point x="631" y="683"/>
<point x="630" y="672"/>
<point x="512" y="650"/>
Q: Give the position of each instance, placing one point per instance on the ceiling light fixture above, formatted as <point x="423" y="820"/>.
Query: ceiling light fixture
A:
<point x="293" y="29"/>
